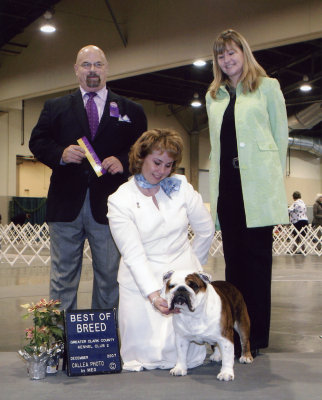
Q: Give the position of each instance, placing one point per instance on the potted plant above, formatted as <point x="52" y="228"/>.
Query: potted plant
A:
<point x="45" y="337"/>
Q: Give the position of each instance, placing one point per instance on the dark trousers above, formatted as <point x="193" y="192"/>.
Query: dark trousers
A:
<point x="248" y="259"/>
<point x="301" y="224"/>
<point x="66" y="248"/>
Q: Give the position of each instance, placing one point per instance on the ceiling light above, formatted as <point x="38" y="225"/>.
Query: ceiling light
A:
<point x="199" y="63"/>
<point x="48" y="26"/>
<point x="195" y="102"/>
<point x="305" y="86"/>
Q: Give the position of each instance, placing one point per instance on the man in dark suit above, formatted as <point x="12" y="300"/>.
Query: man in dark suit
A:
<point x="77" y="197"/>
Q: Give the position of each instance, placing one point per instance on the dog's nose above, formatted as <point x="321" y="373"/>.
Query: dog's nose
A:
<point x="181" y="297"/>
<point x="181" y="289"/>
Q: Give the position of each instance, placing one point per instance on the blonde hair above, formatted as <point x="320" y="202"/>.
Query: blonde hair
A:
<point x="156" y="139"/>
<point x="252" y="71"/>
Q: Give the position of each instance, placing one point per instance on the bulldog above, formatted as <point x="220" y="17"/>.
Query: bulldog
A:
<point x="209" y="313"/>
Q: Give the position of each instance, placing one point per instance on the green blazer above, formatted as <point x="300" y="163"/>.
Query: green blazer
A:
<point x="262" y="139"/>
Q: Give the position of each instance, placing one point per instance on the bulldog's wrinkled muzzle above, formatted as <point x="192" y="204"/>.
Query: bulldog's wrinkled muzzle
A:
<point x="180" y="297"/>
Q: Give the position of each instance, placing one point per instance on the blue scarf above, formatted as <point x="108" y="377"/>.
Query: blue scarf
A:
<point x="168" y="185"/>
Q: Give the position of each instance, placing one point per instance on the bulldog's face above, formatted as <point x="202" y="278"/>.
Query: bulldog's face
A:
<point x="185" y="290"/>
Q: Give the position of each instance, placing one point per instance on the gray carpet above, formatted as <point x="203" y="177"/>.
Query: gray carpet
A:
<point x="289" y="369"/>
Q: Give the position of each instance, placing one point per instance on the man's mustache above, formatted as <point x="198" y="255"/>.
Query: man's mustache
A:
<point x="92" y="75"/>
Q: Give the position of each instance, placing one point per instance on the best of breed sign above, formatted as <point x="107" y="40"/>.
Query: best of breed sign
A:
<point x="92" y="342"/>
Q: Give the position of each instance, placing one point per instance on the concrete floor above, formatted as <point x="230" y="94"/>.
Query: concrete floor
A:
<point x="289" y="369"/>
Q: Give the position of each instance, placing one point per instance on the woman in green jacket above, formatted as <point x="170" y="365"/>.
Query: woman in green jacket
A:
<point x="249" y="136"/>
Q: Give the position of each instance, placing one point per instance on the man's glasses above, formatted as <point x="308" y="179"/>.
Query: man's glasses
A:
<point x="87" y="65"/>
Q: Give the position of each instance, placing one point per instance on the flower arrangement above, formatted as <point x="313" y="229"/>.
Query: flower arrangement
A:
<point x="47" y="333"/>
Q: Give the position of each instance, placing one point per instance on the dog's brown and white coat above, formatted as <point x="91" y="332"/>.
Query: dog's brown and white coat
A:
<point x="209" y="312"/>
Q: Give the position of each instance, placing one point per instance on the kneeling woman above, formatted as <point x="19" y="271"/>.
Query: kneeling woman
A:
<point x="149" y="218"/>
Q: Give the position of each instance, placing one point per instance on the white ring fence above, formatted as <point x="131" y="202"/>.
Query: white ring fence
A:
<point x="30" y="244"/>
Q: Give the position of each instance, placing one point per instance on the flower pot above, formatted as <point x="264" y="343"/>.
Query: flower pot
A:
<point x="36" y="367"/>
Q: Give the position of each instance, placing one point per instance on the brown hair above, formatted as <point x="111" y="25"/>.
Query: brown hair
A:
<point x="156" y="139"/>
<point x="252" y="71"/>
<point x="296" y="195"/>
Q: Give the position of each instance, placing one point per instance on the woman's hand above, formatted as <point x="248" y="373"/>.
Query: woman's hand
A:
<point x="160" y="303"/>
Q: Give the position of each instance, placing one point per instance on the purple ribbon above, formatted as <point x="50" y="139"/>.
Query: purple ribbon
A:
<point x="93" y="154"/>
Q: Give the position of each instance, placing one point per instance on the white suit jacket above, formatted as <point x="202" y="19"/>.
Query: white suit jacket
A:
<point x="153" y="241"/>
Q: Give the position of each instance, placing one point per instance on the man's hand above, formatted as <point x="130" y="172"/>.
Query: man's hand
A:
<point x="112" y="165"/>
<point x="73" y="154"/>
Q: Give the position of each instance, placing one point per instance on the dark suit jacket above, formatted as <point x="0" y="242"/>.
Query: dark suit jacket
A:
<point x="64" y="120"/>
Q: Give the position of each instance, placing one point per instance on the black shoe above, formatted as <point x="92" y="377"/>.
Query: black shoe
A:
<point x="237" y="350"/>
<point x="254" y="352"/>
<point x="238" y="354"/>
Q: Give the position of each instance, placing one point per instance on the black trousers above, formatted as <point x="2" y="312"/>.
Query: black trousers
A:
<point x="248" y="259"/>
<point x="301" y="224"/>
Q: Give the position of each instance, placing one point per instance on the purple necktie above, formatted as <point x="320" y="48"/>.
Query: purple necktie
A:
<point x="92" y="113"/>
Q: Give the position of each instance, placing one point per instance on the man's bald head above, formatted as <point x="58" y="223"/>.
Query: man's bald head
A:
<point x="83" y="52"/>
<point x="91" y="68"/>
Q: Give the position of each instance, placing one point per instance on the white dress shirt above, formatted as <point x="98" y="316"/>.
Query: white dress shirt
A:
<point x="100" y="99"/>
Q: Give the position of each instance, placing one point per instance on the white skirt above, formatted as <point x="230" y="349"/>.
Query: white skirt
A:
<point x="147" y="336"/>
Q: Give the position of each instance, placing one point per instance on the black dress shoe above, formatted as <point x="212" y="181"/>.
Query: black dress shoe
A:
<point x="238" y="354"/>
<point x="254" y="352"/>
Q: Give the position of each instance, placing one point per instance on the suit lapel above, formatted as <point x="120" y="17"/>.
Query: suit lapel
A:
<point x="80" y="112"/>
<point x="106" y="118"/>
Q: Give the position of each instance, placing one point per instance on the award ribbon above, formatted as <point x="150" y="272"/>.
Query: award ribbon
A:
<point x="91" y="156"/>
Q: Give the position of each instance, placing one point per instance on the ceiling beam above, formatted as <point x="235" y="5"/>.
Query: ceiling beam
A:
<point x="116" y="23"/>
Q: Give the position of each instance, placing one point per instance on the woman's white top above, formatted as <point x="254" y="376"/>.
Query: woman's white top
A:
<point x="155" y="240"/>
<point x="297" y="211"/>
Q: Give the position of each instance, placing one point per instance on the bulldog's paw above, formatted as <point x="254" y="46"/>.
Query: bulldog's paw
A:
<point x="178" y="371"/>
<point x="246" y="359"/>
<point x="216" y="355"/>
<point x="226" y="374"/>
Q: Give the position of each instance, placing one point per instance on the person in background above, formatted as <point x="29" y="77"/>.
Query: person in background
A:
<point x="249" y="137"/>
<point x="298" y="217"/>
<point x="298" y="213"/>
<point x="149" y="218"/>
<point x="77" y="196"/>
<point x="317" y="221"/>
<point x="21" y="218"/>
<point x="317" y="211"/>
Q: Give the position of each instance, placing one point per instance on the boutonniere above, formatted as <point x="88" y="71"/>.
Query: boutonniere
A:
<point x="114" y="110"/>
<point x="125" y="118"/>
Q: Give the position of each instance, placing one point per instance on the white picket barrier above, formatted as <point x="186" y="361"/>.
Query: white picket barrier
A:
<point x="288" y="240"/>
<point x="30" y="244"/>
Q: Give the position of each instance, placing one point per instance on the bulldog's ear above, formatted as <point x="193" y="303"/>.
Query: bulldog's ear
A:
<point x="205" y="277"/>
<point x="167" y="275"/>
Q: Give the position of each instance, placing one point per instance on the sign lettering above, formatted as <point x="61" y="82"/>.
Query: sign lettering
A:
<point x="92" y="342"/>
